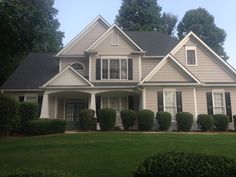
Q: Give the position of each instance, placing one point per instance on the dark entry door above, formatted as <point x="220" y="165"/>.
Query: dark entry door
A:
<point x="72" y="113"/>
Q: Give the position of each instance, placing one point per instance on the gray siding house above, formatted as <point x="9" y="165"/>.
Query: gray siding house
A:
<point x="104" y="66"/>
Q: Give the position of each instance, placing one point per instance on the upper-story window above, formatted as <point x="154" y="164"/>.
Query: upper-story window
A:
<point x="114" y="68"/>
<point x="78" y="66"/>
<point x="191" y="55"/>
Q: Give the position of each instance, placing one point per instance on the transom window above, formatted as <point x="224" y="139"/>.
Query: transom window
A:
<point x="218" y="102"/>
<point x="78" y="66"/>
<point x="114" y="69"/>
<point x="170" y="101"/>
<point x="191" y="56"/>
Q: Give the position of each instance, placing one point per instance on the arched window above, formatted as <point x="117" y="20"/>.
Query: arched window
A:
<point x="78" y="66"/>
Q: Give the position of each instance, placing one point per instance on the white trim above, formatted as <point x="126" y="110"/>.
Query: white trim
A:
<point x="195" y="102"/>
<point x="99" y="40"/>
<point x="169" y="84"/>
<point x="164" y="104"/>
<point x="213" y="99"/>
<point x="90" y="68"/>
<point x="187" y="37"/>
<point x="60" y="73"/>
<point x="161" y="63"/>
<point x="144" y="98"/>
<point x="59" y="65"/>
<point x="186" y="55"/>
<point x="56" y="105"/>
<point x="140" y="68"/>
<point x="83" y="32"/>
<point x="150" y="56"/>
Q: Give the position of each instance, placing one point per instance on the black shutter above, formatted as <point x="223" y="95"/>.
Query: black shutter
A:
<point x="179" y="101"/>
<point x="21" y="98"/>
<point x="40" y="99"/>
<point x="98" y="105"/>
<point x="98" y="69"/>
<point x="160" y="101"/>
<point x="131" y="102"/>
<point x="209" y="103"/>
<point x="130" y="69"/>
<point x="228" y="105"/>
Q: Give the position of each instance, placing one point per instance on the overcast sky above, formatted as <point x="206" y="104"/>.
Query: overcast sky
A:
<point x="74" y="15"/>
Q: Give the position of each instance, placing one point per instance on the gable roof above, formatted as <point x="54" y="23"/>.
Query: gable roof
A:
<point x="75" y="79"/>
<point x="154" y="43"/>
<point x="162" y="63"/>
<point x="114" y="26"/>
<point x="33" y="72"/>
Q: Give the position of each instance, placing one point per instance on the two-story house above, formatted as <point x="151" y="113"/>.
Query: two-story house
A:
<point x="104" y="66"/>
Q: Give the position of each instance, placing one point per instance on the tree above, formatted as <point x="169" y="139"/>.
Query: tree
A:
<point x="144" y="15"/>
<point x="26" y="26"/>
<point x="202" y="24"/>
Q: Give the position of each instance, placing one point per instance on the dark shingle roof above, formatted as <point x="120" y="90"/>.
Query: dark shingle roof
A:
<point x="154" y="43"/>
<point x="33" y="72"/>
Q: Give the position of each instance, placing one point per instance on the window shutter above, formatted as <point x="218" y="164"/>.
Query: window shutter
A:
<point x="98" y="105"/>
<point x="228" y="105"/>
<point x="160" y="101"/>
<point x="130" y="69"/>
<point x="209" y="103"/>
<point x="40" y="99"/>
<point x="179" y="101"/>
<point x="98" y="69"/>
<point x="131" y="102"/>
<point x="21" y="98"/>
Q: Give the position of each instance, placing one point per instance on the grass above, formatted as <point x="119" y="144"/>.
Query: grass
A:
<point x="104" y="154"/>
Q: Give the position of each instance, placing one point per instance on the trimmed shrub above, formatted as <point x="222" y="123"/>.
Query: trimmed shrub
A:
<point x="107" y="118"/>
<point x="234" y="117"/>
<point x="8" y="114"/>
<point x="205" y="122"/>
<point x="221" y="122"/>
<point x="27" y="111"/>
<point x="180" y="164"/>
<point x="184" y="121"/>
<point x="87" y="120"/>
<point x="145" y="119"/>
<point x="164" y="120"/>
<point x="36" y="173"/>
<point x="128" y="118"/>
<point x="44" y="126"/>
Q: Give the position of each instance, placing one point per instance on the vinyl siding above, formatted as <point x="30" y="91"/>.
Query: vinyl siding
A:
<point x="169" y="72"/>
<point x="207" y="69"/>
<point x="64" y="62"/>
<point x="148" y="64"/>
<point x="90" y="36"/>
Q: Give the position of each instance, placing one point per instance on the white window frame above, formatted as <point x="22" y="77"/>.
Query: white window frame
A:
<point x="114" y="58"/>
<point x="116" y="35"/>
<point x="186" y="56"/>
<point x="164" y="104"/>
<point x="30" y="95"/>
<point x="213" y="100"/>
<point x="78" y="63"/>
<point x="108" y="101"/>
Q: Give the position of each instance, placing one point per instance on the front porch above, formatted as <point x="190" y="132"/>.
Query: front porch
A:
<point x="66" y="105"/>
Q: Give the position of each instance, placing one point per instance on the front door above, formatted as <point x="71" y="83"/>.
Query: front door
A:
<point x="73" y="107"/>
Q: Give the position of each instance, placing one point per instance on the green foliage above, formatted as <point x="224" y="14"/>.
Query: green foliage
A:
<point x="36" y="173"/>
<point x="144" y="15"/>
<point x="184" y="121"/>
<point x="128" y="118"/>
<point x="87" y="120"/>
<point x="27" y="111"/>
<point x="164" y="120"/>
<point x="145" y="119"/>
<point x="221" y="122"/>
<point x="202" y="24"/>
<point x="180" y="164"/>
<point x="8" y="114"/>
<point x="205" y="122"/>
<point x="234" y="117"/>
<point x="44" y="126"/>
<point x="26" y="26"/>
<point x="107" y="117"/>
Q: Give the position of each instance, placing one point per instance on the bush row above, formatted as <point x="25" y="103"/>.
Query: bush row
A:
<point x="181" y="164"/>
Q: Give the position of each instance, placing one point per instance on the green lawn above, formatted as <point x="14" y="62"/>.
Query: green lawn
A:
<point x="108" y="154"/>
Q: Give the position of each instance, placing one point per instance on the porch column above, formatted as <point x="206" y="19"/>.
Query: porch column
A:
<point x="92" y="102"/>
<point x="44" y="108"/>
<point x="144" y="98"/>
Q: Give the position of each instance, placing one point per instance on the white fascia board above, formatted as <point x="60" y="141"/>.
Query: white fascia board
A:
<point x="70" y="44"/>
<point x="170" y="84"/>
<point x="99" y="40"/>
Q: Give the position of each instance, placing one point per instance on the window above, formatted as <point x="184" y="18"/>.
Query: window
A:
<point x="114" y="69"/>
<point x="218" y="102"/>
<point x="31" y="98"/>
<point x="114" y="38"/>
<point x="21" y="98"/>
<point x="78" y="66"/>
<point x="191" y="57"/>
<point x="170" y="101"/>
